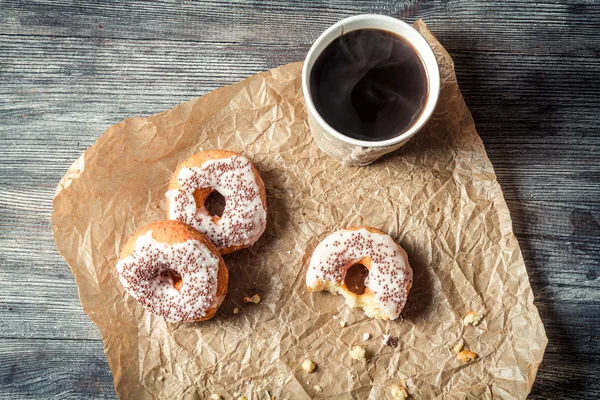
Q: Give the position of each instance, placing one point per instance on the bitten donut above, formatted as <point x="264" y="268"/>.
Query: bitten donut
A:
<point x="232" y="175"/>
<point x="389" y="276"/>
<point x="174" y="271"/>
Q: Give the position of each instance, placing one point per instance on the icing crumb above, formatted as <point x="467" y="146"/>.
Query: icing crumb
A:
<point x="342" y="323"/>
<point x="309" y="366"/>
<point x="358" y="353"/>
<point x="398" y="392"/>
<point x="236" y="394"/>
<point x="472" y="318"/>
<point x="466" y="356"/>
<point x="254" y="299"/>
<point x="215" y="396"/>
<point x="318" y="388"/>
<point x="236" y="310"/>
<point x="458" y="346"/>
<point x="365" y="337"/>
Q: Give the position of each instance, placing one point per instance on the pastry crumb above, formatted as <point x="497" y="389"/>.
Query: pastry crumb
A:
<point x="458" y="346"/>
<point x="358" y="353"/>
<point x="236" y="310"/>
<point x="215" y="396"/>
<point x="366" y="336"/>
<point x="318" y="388"/>
<point x="254" y="299"/>
<point x="242" y="398"/>
<point x="398" y="392"/>
<point x="466" y="356"/>
<point x="437" y="209"/>
<point x="472" y="318"/>
<point x="309" y="366"/>
<point x="390" y="340"/>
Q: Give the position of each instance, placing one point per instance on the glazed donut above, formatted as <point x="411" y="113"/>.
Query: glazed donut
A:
<point x="389" y="276"/>
<point x="232" y="175"/>
<point x="174" y="271"/>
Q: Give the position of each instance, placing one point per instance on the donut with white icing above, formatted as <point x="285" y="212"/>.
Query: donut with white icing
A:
<point x="174" y="271"/>
<point x="244" y="216"/>
<point x="389" y="276"/>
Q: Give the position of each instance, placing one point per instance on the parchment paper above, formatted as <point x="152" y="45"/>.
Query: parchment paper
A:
<point x="438" y="196"/>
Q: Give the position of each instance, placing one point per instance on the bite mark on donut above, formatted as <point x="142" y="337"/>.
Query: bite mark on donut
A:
<point x="389" y="279"/>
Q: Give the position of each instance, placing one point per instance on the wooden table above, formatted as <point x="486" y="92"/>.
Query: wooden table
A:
<point x="530" y="73"/>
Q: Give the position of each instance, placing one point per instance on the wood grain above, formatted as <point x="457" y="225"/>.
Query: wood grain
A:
<point x="529" y="71"/>
<point x="56" y="369"/>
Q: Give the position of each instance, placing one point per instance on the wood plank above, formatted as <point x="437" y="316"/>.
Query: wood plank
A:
<point x="54" y="369"/>
<point x="572" y="328"/>
<point x="130" y="77"/>
<point x="567" y="376"/>
<point x="460" y="24"/>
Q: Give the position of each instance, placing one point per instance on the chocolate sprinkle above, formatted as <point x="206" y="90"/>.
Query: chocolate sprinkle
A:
<point x="389" y="277"/>
<point x="147" y="275"/>
<point x="244" y="217"/>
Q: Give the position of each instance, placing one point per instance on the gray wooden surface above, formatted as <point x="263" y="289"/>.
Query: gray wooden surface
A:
<point x="530" y="72"/>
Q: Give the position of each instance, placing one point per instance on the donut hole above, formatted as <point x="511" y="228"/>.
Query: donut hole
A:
<point x="215" y="204"/>
<point x="355" y="278"/>
<point x="171" y="276"/>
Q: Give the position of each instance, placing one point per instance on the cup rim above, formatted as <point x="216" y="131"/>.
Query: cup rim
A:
<point x="432" y="70"/>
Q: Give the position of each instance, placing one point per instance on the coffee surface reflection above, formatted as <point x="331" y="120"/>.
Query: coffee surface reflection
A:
<point x="369" y="84"/>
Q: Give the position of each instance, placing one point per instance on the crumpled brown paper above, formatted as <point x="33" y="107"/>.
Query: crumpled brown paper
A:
<point x="438" y="196"/>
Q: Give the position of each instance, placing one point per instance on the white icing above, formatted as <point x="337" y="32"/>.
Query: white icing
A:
<point x="142" y="274"/>
<point x="390" y="275"/>
<point x="244" y="218"/>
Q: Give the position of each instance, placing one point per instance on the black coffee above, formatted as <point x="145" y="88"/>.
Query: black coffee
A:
<point x="369" y="84"/>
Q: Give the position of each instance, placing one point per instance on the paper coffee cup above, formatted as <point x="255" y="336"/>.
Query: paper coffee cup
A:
<point x="352" y="151"/>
